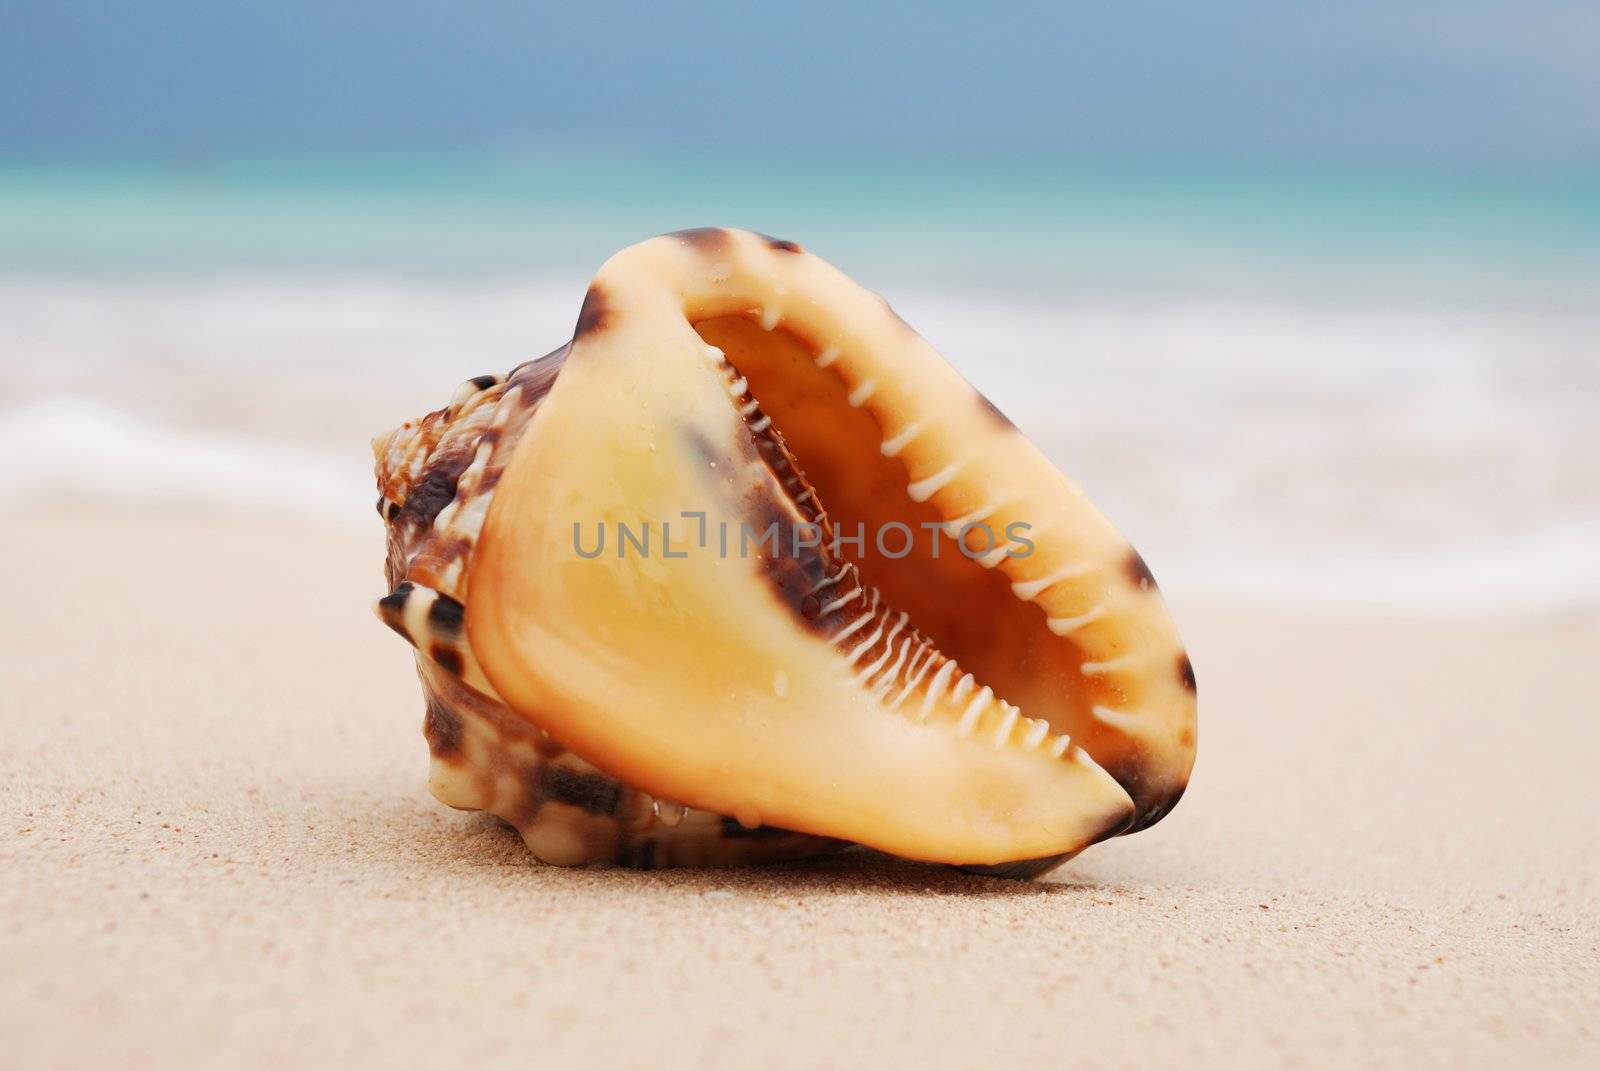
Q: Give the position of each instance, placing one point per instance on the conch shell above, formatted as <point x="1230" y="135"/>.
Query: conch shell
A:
<point x="746" y="571"/>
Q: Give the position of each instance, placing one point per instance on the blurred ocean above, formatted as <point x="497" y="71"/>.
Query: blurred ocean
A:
<point x="1337" y="389"/>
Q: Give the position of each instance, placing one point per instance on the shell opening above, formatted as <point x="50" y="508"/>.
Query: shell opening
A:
<point x="925" y="623"/>
<point x="1041" y="698"/>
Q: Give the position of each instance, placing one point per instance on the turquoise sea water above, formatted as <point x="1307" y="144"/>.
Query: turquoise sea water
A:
<point x="1036" y="225"/>
<point x="1302" y="386"/>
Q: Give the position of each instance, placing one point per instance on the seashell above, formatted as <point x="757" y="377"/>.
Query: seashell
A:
<point x="749" y="545"/>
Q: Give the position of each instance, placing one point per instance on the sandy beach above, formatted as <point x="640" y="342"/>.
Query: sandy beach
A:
<point x="1304" y="299"/>
<point x="219" y="849"/>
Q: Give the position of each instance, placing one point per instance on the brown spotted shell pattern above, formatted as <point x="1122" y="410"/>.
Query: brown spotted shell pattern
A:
<point x="985" y="707"/>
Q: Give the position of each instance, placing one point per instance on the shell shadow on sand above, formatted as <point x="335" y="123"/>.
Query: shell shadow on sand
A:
<point x="428" y="843"/>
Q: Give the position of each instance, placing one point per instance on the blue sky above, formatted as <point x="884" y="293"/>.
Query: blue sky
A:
<point x="1512" y="85"/>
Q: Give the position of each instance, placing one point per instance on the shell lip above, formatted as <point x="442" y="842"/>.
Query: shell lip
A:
<point x="1148" y="790"/>
<point x="614" y="302"/>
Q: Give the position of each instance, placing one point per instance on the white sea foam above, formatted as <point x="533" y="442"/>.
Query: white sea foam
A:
<point x="1424" y="459"/>
<point x="75" y="449"/>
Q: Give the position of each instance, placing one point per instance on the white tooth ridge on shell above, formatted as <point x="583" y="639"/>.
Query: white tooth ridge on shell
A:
<point x="919" y="670"/>
<point x="922" y="490"/>
<point x="1007" y="722"/>
<point x="1119" y="719"/>
<point x="1065" y="626"/>
<point x="892" y="446"/>
<point x="1036" y="735"/>
<point x="952" y="528"/>
<point x="998" y="555"/>
<point x="888" y="649"/>
<point x="865" y="645"/>
<point x="888" y="679"/>
<point x="1110" y="665"/>
<point x="859" y="623"/>
<point x="969" y="717"/>
<point x="829" y="581"/>
<point x="941" y="681"/>
<point x="834" y="604"/>
<point x="863" y="390"/>
<point x="1028" y="589"/>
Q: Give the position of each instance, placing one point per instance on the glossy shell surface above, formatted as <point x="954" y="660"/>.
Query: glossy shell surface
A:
<point x="749" y="544"/>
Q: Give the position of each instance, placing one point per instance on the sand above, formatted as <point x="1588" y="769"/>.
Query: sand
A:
<point x="218" y="850"/>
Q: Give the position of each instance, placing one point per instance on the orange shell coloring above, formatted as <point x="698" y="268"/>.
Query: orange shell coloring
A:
<point x="746" y="571"/>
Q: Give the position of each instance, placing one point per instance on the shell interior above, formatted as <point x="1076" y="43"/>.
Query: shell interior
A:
<point x="967" y="665"/>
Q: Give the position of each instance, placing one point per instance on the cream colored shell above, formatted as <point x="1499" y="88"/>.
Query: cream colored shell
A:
<point x="711" y="679"/>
